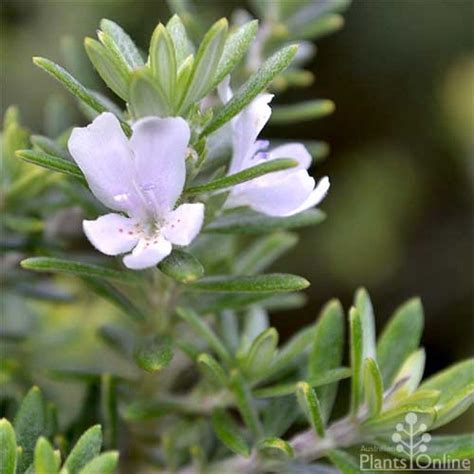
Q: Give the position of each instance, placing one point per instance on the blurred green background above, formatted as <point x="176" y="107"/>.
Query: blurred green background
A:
<point x="400" y="207"/>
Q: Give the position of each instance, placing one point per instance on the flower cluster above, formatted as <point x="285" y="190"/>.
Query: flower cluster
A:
<point x="142" y="178"/>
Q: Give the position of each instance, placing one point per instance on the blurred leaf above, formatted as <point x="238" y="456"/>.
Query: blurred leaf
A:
<point x="55" y="163"/>
<point x="109" y="66"/>
<point x="87" y="448"/>
<point x="356" y="347"/>
<point x="261" y="353"/>
<point x="373" y="387"/>
<point x="275" y="447"/>
<point x="212" y="369"/>
<point x="124" y="43"/>
<point x="205" y="64"/>
<point x="309" y="403"/>
<point x="235" y="48"/>
<point x="163" y="61"/>
<point x="455" y="407"/>
<point x="146" y="96"/>
<point x="49" y="146"/>
<point x="278" y="415"/>
<point x="8" y="448"/>
<point x="228" y="432"/>
<point x="153" y="355"/>
<point x="182" y="266"/>
<point x="244" y="175"/>
<point x="45" y="459"/>
<point x="310" y="110"/>
<point x="105" y="463"/>
<point x="58" y="265"/>
<point x="325" y="25"/>
<point x="182" y="45"/>
<point x="204" y="331"/>
<point x="108" y="409"/>
<point x="251" y="222"/>
<point x="400" y="337"/>
<point x="344" y="461"/>
<point x="254" y="86"/>
<point x="327" y="351"/>
<point x="272" y="282"/>
<point x="23" y="224"/>
<point x="29" y="425"/>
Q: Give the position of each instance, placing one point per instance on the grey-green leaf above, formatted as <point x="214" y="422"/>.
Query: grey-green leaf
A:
<point x="400" y="337"/>
<point x="373" y="387"/>
<point x="261" y="353"/>
<point x="356" y="355"/>
<point x="365" y="309"/>
<point x="309" y="403"/>
<point x="254" y="86"/>
<point x="45" y="460"/>
<point x="105" y="463"/>
<point x="87" y="448"/>
<point x="274" y="447"/>
<point x="228" y="432"/>
<point x="182" y="267"/>
<point x="8" y="448"/>
<point x="146" y="96"/>
<point x="212" y="369"/>
<point x="153" y="355"/>
<point x="182" y="45"/>
<point x="302" y="112"/>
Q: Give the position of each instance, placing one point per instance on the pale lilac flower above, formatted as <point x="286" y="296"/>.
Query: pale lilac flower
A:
<point x="282" y="193"/>
<point x="141" y="177"/>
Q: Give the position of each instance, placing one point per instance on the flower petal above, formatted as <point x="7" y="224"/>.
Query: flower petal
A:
<point x="159" y="146"/>
<point x="184" y="223"/>
<point x="147" y="253"/>
<point x="112" y="234"/>
<point x="317" y="195"/>
<point x="102" y="152"/>
<point x="296" y="151"/>
<point x="274" y="197"/>
<point x="247" y="126"/>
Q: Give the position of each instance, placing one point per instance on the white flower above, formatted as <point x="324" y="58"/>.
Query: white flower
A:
<point x="143" y="178"/>
<point x="282" y="193"/>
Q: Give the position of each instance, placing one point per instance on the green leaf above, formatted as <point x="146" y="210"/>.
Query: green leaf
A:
<point x="50" y="146"/>
<point x="146" y="96"/>
<point x="212" y="369"/>
<point x="110" y="293"/>
<point x="323" y="26"/>
<point x="329" y="377"/>
<point x="124" y="43"/>
<point x="8" y="448"/>
<point x="205" y="64"/>
<point x="365" y="309"/>
<point x="327" y="351"/>
<point x="346" y="463"/>
<point x="261" y="353"/>
<point x="87" y="448"/>
<point x="109" y="67"/>
<point x="373" y="387"/>
<point x="251" y="222"/>
<point x="163" y="61"/>
<point x="244" y="175"/>
<point x="153" y="355"/>
<point x="182" y="267"/>
<point x="109" y="409"/>
<point x="310" y="110"/>
<point x="235" y="48"/>
<point x="272" y="282"/>
<point x="400" y="337"/>
<point x="58" y="265"/>
<point x="276" y="447"/>
<point x="245" y="403"/>
<point x="254" y="86"/>
<point x="183" y="47"/>
<point x="205" y="332"/>
<point x="356" y="347"/>
<point x="263" y="252"/>
<point x="45" y="459"/>
<point x="55" y="163"/>
<point x="228" y="432"/>
<point x="105" y="463"/>
<point x="309" y="403"/>
<point x="455" y="407"/>
<point x="29" y="425"/>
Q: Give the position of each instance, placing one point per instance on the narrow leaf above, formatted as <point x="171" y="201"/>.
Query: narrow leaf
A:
<point x="356" y="347"/>
<point x="87" y="448"/>
<point x="309" y="403"/>
<point x="109" y="409"/>
<point x="55" y="163"/>
<point x="182" y="267"/>
<point x="409" y="376"/>
<point x="153" y="355"/>
<point x="244" y="175"/>
<point x="212" y="369"/>
<point x="205" y="332"/>
<point x="346" y="463"/>
<point x="49" y="146"/>
<point x="8" y="448"/>
<point x="400" y="337"/>
<point x="373" y="387"/>
<point x="275" y="447"/>
<point x="251" y="222"/>
<point x="451" y="410"/>
<point x="261" y="353"/>
<point x="105" y="463"/>
<point x="302" y="112"/>
<point x="57" y="265"/>
<point x="182" y="45"/>
<point x="366" y="312"/>
<point x="146" y="96"/>
<point x="254" y="86"/>
<point x="273" y="282"/>
<point x="323" y="26"/>
<point x="45" y="459"/>
<point x="228" y="432"/>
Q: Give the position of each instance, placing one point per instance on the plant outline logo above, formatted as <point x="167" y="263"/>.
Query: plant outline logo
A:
<point x="415" y="444"/>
